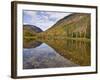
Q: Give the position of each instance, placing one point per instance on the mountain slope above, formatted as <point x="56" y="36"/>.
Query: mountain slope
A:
<point x="30" y="30"/>
<point x="76" y="25"/>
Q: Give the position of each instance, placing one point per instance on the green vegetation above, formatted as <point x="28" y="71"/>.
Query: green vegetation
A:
<point x="75" y="26"/>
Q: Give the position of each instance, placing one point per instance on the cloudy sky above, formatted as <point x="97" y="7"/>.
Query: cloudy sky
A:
<point x="42" y="19"/>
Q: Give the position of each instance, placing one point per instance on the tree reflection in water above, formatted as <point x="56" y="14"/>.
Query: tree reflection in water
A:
<point x="56" y="53"/>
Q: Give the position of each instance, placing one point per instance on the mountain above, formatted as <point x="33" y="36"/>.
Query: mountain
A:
<point x="30" y="30"/>
<point x="76" y="25"/>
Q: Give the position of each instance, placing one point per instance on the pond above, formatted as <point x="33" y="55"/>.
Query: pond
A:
<point x="56" y="53"/>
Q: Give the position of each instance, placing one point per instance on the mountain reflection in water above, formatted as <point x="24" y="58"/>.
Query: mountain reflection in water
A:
<point x="56" y="53"/>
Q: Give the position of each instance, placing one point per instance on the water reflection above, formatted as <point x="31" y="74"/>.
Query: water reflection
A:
<point x="30" y="43"/>
<point x="56" y="53"/>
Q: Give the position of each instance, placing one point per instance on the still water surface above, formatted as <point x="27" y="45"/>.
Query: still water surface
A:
<point x="63" y="54"/>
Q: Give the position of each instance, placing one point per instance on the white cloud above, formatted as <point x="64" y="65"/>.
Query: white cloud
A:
<point x="43" y="19"/>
